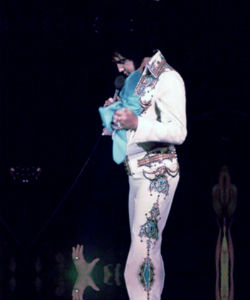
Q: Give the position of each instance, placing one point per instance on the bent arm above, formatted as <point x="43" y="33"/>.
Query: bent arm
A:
<point x="170" y="100"/>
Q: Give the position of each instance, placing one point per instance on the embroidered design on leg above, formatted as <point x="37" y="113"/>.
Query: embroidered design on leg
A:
<point x="160" y="185"/>
<point x="151" y="232"/>
<point x="146" y="274"/>
<point x="150" y="228"/>
<point x="158" y="180"/>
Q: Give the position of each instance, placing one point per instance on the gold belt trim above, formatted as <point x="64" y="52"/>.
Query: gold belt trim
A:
<point x="153" y="158"/>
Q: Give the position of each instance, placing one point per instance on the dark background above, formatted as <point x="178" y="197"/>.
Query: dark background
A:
<point x="55" y="72"/>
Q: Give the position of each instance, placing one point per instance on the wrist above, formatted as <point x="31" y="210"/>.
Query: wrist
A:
<point x="135" y="123"/>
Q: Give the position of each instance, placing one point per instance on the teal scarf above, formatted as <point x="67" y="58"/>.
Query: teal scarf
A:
<point x="130" y="101"/>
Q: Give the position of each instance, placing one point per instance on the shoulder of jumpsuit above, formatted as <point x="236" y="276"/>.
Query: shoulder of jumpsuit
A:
<point x="170" y="98"/>
<point x="171" y="85"/>
<point x="156" y="65"/>
<point x="149" y="79"/>
<point x="150" y="76"/>
<point x="167" y="78"/>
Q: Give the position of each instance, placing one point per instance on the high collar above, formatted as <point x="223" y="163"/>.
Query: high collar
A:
<point x="156" y="64"/>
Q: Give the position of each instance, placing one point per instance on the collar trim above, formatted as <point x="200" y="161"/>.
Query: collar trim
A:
<point x="156" y="64"/>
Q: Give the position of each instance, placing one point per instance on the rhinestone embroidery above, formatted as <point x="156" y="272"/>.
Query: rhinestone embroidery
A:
<point x="147" y="274"/>
<point x="150" y="228"/>
<point x="151" y="232"/>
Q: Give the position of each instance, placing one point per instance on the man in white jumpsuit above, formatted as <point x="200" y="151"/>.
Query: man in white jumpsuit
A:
<point x="152" y="166"/>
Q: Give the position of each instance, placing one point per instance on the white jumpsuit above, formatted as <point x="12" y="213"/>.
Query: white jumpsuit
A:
<point x="152" y="186"/>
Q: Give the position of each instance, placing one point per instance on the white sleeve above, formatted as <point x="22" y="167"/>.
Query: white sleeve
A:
<point x="170" y="100"/>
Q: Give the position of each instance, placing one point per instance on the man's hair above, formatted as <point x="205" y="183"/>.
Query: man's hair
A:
<point x="132" y="51"/>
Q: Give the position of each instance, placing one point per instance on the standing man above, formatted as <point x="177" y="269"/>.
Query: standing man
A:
<point x="151" y="163"/>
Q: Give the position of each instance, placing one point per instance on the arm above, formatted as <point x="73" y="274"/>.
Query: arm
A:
<point x="171" y="102"/>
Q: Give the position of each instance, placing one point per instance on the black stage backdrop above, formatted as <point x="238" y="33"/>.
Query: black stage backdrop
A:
<point x="56" y="71"/>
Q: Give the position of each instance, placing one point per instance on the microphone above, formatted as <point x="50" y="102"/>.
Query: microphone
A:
<point x="118" y="83"/>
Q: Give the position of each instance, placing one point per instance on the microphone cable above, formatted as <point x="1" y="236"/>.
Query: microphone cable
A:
<point x="66" y="195"/>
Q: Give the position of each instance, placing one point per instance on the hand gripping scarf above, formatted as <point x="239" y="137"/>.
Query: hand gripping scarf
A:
<point x="129" y="100"/>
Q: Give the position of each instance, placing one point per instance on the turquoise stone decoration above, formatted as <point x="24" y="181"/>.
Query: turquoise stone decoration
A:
<point x="160" y="184"/>
<point x="159" y="179"/>
<point x="150" y="228"/>
<point x="151" y="232"/>
<point x="146" y="274"/>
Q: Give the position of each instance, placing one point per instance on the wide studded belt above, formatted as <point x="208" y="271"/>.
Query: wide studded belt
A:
<point x="147" y="160"/>
<point x="159" y="157"/>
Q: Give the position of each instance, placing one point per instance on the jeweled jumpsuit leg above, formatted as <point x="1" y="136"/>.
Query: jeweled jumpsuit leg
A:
<point x="149" y="205"/>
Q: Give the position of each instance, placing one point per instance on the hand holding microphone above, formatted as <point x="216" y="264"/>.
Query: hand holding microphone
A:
<point x="118" y="83"/>
<point x="110" y="101"/>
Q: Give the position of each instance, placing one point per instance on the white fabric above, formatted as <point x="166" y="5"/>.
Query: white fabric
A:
<point x="164" y="121"/>
<point x="168" y="97"/>
<point x="140" y="203"/>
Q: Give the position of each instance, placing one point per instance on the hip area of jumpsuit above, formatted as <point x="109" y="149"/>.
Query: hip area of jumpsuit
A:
<point x="156" y="167"/>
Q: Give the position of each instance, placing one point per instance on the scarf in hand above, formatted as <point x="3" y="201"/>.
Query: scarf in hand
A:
<point x="129" y="100"/>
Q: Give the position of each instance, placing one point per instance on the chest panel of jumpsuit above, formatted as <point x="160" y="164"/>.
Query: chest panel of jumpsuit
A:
<point x="149" y="94"/>
<point x="147" y="91"/>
